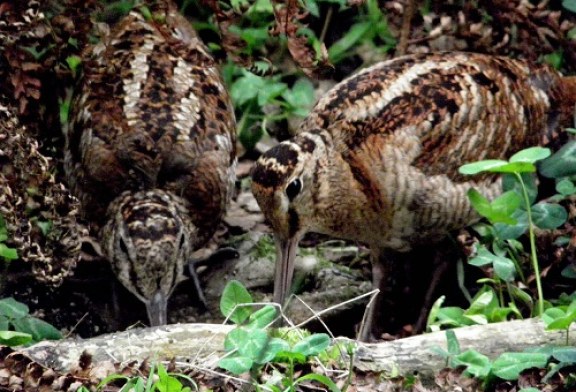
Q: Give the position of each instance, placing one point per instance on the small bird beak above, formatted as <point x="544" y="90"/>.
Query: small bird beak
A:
<point x="285" y="256"/>
<point x="157" y="309"/>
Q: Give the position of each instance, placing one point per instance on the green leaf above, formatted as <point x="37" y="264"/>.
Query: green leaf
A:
<point x="531" y="155"/>
<point x="562" y="163"/>
<point x="483" y="257"/>
<point x="548" y="216"/>
<point x="341" y="48"/>
<point x="271" y="91"/>
<point x="509" y="365"/>
<point x="510" y="182"/>
<point x="481" y="166"/>
<point x="565" y="354"/>
<point x="504" y="231"/>
<point x="320" y="378"/>
<point x="253" y="344"/>
<point x="529" y="389"/>
<point x="262" y="317"/>
<point x="565" y="187"/>
<point x="73" y="63"/>
<point x="452" y="316"/>
<point x="14" y="338"/>
<point x="166" y="382"/>
<point x="476" y="364"/>
<point x="313" y="344"/>
<point x="39" y="329"/>
<point x="287" y="356"/>
<point x="452" y="343"/>
<point x="504" y="268"/>
<point x="246" y="88"/>
<point x="7" y="252"/>
<point x="13" y="309"/>
<point x="274" y="346"/>
<point x="45" y="226"/>
<point x="233" y="296"/>
<point x="236" y="364"/>
<point x="557" y="318"/>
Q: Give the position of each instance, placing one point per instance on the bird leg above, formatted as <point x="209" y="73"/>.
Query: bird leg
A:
<point x="382" y="272"/>
<point x="441" y="264"/>
<point x="219" y="256"/>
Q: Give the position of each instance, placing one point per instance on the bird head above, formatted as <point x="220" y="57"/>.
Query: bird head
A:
<point x="284" y="183"/>
<point x="148" y="239"/>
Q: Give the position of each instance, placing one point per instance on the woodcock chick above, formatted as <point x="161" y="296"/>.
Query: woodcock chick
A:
<point x="151" y="150"/>
<point x="377" y="159"/>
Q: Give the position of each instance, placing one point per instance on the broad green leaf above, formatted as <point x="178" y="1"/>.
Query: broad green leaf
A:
<point x="274" y="346"/>
<point x="504" y="205"/>
<point x="504" y="268"/>
<point x="548" y="216"/>
<point x="562" y="163"/>
<point x="558" y="318"/>
<point x="270" y="92"/>
<point x="262" y="317"/>
<point x="452" y="316"/>
<point x="511" y="232"/>
<point x="481" y="166"/>
<point x="13" y="309"/>
<point x="254" y="344"/>
<point x="509" y="365"/>
<point x="510" y="182"/>
<point x="235" y="294"/>
<point x="166" y="382"/>
<point x="483" y="257"/>
<point x="8" y="253"/>
<point x="313" y="344"/>
<point x="320" y="378"/>
<point x="39" y="329"/>
<point x="246" y="87"/>
<point x="565" y="187"/>
<point x="14" y="338"/>
<point x="531" y="155"/>
<point x="476" y="364"/>
<point x="565" y="354"/>
<point x="236" y="364"/>
<point x="529" y="389"/>
<point x="479" y="202"/>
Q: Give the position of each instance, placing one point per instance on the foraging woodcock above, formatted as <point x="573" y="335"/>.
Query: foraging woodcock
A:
<point x="377" y="159"/>
<point x="151" y="150"/>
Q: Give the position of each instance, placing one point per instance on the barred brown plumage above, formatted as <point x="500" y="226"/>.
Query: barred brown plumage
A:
<point x="151" y="149"/>
<point x="377" y="158"/>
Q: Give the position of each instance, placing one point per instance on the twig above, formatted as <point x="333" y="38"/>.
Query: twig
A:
<point x="406" y="28"/>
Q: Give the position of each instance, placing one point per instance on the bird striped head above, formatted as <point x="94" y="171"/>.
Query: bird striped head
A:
<point x="284" y="183"/>
<point x="148" y="239"/>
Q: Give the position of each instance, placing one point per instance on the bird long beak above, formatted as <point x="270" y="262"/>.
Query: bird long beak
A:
<point x="285" y="256"/>
<point x="157" y="309"/>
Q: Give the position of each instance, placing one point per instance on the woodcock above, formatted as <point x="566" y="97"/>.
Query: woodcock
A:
<point x="377" y="159"/>
<point x="151" y="150"/>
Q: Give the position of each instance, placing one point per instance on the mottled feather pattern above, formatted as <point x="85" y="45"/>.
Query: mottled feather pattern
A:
<point x="377" y="159"/>
<point x="151" y="147"/>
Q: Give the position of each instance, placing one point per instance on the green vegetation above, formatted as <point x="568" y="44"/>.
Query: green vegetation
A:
<point x="18" y="327"/>
<point x="158" y="380"/>
<point x="250" y="345"/>
<point x="508" y="366"/>
<point x="6" y="253"/>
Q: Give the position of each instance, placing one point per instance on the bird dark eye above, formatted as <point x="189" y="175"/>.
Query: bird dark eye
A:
<point x="293" y="189"/>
